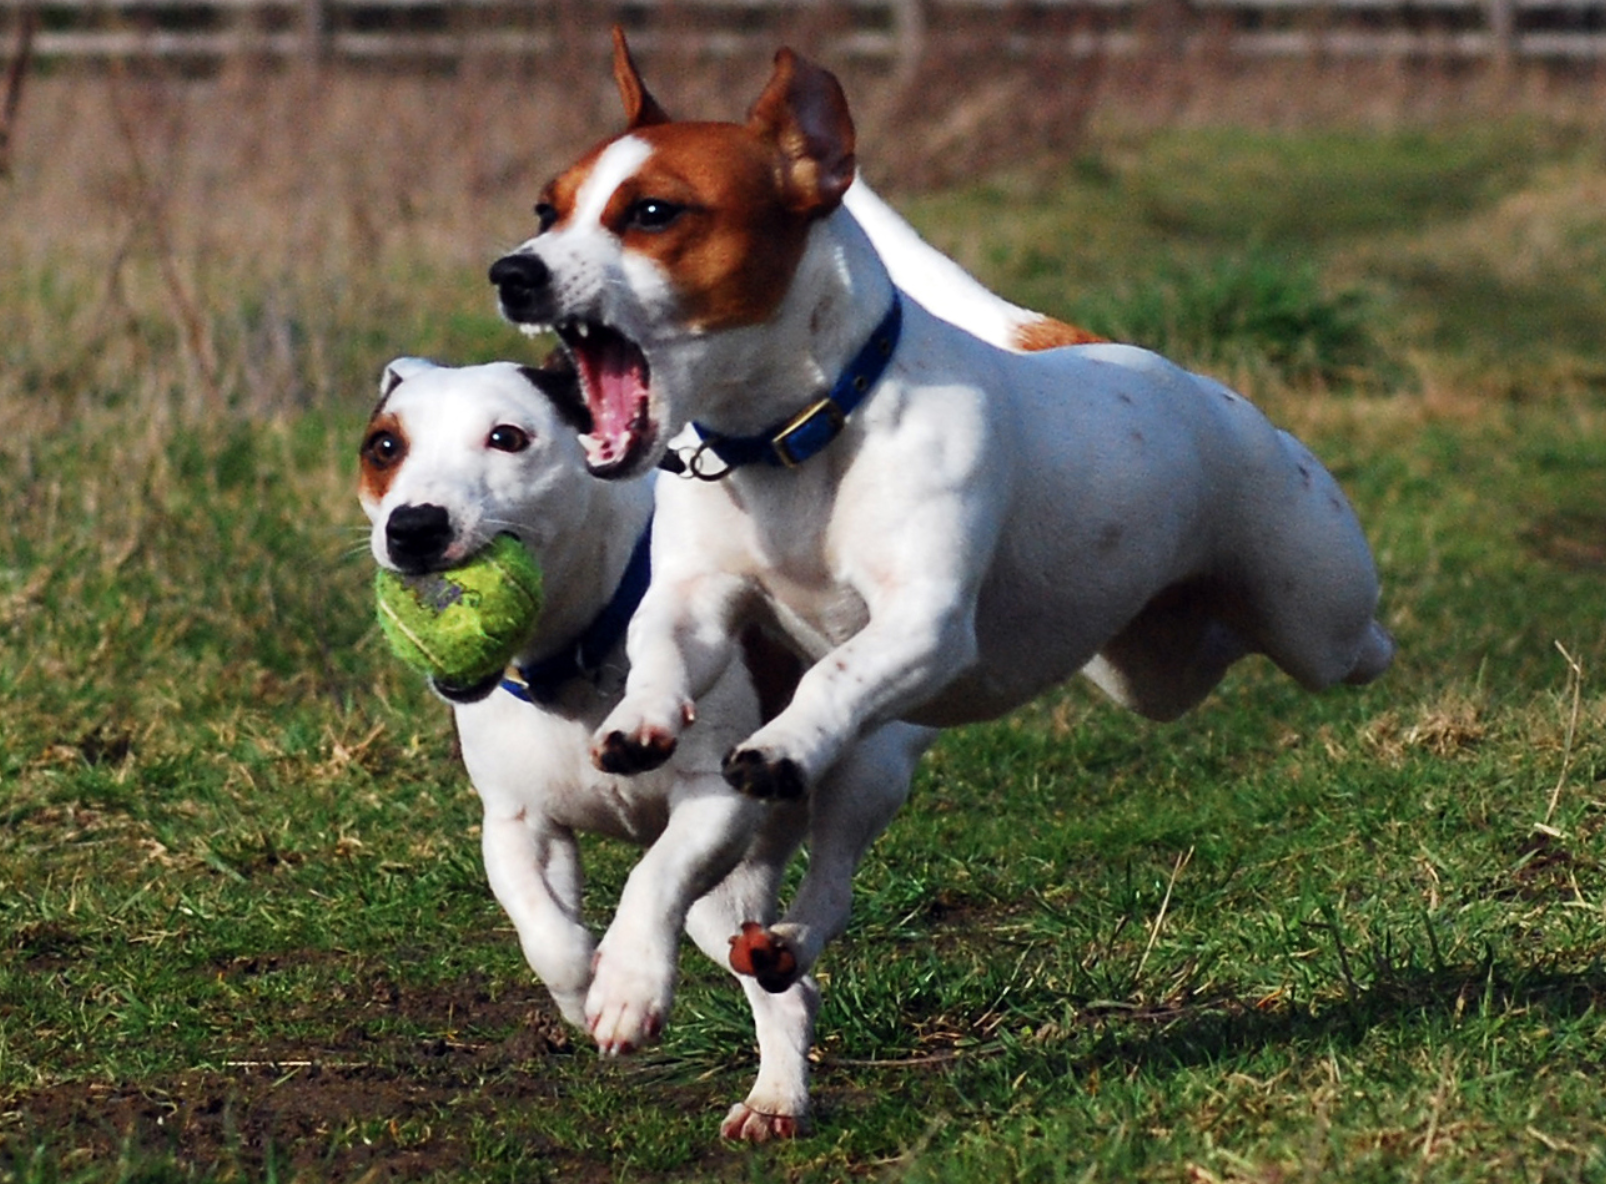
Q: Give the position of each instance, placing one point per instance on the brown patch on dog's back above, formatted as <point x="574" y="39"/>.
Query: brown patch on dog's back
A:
<point x="1048" y="333"/>
<point x="384" y="445"/>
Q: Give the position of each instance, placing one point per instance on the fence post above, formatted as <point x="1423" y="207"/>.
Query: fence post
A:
<point x="16" y="77"/>
<point x="908" y="41"/>
<point x="1503" y="34"/>
<point x="314" y="31"/>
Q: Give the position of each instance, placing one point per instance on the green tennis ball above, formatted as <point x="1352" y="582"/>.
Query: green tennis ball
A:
<point x="463" y="625"/>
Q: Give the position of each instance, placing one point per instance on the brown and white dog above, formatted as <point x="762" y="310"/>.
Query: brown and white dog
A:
<point x="944" y="527"/>
<point x="452" y="457"/>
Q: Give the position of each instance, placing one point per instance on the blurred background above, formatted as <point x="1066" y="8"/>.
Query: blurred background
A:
<point x="194" y="191"/>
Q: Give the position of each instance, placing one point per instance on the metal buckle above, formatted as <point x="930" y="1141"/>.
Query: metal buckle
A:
<point x="695" y="467"/>
<point x="805" y="419"/>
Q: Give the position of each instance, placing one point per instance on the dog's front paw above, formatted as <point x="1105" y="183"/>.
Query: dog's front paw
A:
<point x="754" y="775"/>
<point x="632" y="740"/>
<point x="627" y="755"/>
<point x="764" y="955"/>
<point x="628" y="1002"/>
<point x="748" y="1125"/>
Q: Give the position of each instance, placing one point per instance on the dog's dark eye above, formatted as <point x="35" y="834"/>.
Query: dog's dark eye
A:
<point x="545" y="214"/>
<point x="652" y="213"/>
<point x="507" y="438"/>
<point x="383" y="448"/>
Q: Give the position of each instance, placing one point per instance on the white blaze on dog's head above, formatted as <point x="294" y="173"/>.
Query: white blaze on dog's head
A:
<point x="454" y="456"/>
<point x="673" y="233"/>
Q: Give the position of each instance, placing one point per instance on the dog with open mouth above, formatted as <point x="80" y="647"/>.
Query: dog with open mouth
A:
<point x="690" y="270"/>
<point x="945" y="528"/>
<point x="453" y="457"/>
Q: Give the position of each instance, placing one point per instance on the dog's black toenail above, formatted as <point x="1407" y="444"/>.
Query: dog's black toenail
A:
<point x="623" y="756"/>
<point x="752" y="776"/>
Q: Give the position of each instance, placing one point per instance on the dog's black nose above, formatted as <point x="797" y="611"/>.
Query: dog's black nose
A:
<point x="521" y="282"/>
<point x="417" y="536"/>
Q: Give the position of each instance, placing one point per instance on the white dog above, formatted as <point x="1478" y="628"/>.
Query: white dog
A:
<point x="452" y="457"/>
<point x="944" y="527"/>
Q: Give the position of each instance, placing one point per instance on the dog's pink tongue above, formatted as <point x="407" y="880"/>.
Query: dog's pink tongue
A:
<point x="616" y="384"/>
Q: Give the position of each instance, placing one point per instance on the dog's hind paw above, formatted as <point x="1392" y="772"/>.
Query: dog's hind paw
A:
<point x="747" y="1125"/>
<point x="765" y="956"/>
<point x="629" y="755"/>
<point x="751" y="774"/>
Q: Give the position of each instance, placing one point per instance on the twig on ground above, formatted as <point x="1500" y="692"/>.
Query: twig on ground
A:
<point x="1575" y="676"/>
<point x="1159" y="918"/>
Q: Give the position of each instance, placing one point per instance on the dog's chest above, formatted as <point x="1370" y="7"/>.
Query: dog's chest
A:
<point x="527" y="760"/>
<point x="630" y="809"/>
<point x="801" y="570"/>
<point x="819" y="614"/>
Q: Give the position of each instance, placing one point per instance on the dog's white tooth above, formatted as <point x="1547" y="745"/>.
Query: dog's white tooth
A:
<point x="583" y="328"/>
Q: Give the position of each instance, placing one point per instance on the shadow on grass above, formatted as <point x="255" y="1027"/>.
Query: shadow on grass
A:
<point x="1208" y="1031"/>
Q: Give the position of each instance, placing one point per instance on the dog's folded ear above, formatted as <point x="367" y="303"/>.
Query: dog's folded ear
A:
<point x="804" y="114"/>
<point x="641" y="109"/>
<point x="558" y="380"/>
<point x="400" y="369"/>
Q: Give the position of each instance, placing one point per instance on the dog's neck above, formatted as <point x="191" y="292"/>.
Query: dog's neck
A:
<point x="746" y="378"/>
<point x="586" y="559"/>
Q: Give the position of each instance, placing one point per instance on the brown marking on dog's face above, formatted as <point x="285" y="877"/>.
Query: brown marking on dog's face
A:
<point x="706" y="209"/>
<point x="554" y="207"/>
<point x="1047" y="333"/>
<point x="384" y="447"/>
<point x="723" y="209"/>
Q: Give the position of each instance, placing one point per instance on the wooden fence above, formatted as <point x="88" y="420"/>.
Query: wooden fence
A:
<point x="424" y="31"/>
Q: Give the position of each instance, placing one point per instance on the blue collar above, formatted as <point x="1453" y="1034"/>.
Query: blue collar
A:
<point x="541" y="681"/>
<point x="791" y="442"/>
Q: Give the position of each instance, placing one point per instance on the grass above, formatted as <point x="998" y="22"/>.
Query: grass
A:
<point x="1359" y="936"/>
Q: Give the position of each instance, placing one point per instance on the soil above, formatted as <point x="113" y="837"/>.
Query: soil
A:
<point x="364" y="1104"/>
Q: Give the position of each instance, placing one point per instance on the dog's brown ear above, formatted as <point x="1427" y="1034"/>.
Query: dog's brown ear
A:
<point x="641" y="109"/>
<point x="804" y="113"/>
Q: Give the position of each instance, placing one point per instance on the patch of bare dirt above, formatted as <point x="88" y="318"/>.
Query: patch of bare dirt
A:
<point x="360" y="1102"/>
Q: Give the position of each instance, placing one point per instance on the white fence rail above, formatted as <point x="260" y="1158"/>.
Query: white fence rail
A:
<point x="448" y="30"/>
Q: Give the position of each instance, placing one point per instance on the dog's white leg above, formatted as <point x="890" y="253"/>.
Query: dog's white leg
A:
<point x="680" y="643"/>
<point x="534" y="871"/>
<point x="849" y="809"/>
<point x="633" y="972"/>
<point x="777" y="1107"/>
<point x="914" y="645"/>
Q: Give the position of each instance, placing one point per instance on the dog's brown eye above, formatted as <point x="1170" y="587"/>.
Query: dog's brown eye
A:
<point x="507" y="438"/>
<point x="383" y="448"/>
<point x="652" y="213"/>
<point x="545" y="214"/>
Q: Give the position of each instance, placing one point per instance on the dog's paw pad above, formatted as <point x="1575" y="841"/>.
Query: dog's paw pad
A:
<point x="628" y="755"/>
<point x="754" y="776"/>
<point x="765" y="956"/>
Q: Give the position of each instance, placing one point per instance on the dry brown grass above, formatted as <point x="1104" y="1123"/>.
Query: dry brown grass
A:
<point x="194" y="241"/>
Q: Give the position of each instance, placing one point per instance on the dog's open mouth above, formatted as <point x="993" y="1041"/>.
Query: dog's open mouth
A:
<point x="614" y="379"/>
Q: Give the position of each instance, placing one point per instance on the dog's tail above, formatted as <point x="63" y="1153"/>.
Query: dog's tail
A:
<point x="947" y="290"/>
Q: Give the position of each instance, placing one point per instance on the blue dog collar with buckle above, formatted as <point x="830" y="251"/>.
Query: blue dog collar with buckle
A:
<point x="541" y="681"/>
<point x="789" y="444"/>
